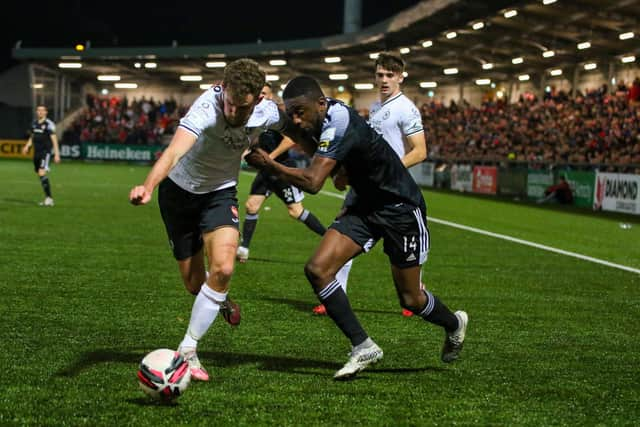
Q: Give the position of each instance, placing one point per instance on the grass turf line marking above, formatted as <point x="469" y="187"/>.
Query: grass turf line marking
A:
<point x="516" y="240"/>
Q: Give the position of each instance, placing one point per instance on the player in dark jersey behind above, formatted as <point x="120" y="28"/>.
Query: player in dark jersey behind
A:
<point x="389" y="206"/>
<point x="264" y="185"/>
<point x="44" y="141"/>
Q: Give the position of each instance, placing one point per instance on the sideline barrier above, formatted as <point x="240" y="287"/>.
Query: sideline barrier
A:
<point x="12" y="149"/>
<point x="616" y="192"/>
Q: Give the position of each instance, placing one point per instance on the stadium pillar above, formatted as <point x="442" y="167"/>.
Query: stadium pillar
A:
<point x="612" y="73"/>
<point x="576" y="76"/>
<point x="543" y="82"/>
<point x="352" y="19"/>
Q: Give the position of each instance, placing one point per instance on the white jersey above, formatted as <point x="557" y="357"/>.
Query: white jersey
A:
<point x="396" y="119"/>
<point x="213" y="163"/>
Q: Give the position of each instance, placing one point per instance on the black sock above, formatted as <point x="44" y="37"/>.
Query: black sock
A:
<point x="339" y="309"/>
<point x="311" y="221"/>
<point x="44" y="181"/>
<point x="249" y="226"/>
<point x="436" y="312"/>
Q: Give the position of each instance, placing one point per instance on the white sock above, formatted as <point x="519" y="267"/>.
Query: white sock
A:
<point x="342" y="276"/>
<point x="204" y="311"/>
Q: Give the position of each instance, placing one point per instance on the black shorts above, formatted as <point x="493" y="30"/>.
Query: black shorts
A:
<point x="187" y="216"/>
<point x="41" y="160"/>
<point x="402" y="227"/>
<point x="265" y="184"/>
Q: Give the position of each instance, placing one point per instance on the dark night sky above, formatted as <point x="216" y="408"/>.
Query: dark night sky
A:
<point x="133" y="23"/>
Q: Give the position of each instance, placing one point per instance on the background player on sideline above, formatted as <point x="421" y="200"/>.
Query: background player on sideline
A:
<point x="264" y="185"/>
<point x="44" y="140"/>
<point x="395" y="117"/>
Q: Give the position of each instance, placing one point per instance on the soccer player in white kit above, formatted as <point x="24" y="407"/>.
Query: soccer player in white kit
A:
<point x="395" y="117"/>
<point x="197" y="177"/>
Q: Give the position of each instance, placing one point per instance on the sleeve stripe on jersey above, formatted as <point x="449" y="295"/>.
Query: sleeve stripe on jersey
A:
<point x="189" y="129"/>
<point x="416" y="132"/>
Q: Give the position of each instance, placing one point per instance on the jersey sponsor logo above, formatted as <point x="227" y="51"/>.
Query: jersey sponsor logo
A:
<point x="323" y="146"/>
<point x="325" y="139"/>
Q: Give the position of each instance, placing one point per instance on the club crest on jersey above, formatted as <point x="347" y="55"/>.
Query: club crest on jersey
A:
<point x="386" y="115"/>
<point x="235" y="140"/>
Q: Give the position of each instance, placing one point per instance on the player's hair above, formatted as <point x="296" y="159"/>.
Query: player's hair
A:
<point x="302" y="86"/>
<point x="390" y="61"/>
<point x="245" y="77"/>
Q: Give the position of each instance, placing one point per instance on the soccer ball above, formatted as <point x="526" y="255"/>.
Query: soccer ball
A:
<point x="164" y="374"/>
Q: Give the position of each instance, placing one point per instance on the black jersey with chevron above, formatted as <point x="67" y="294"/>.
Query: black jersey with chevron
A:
<point x="41" y="135"/>
<point x="374" y="170"/>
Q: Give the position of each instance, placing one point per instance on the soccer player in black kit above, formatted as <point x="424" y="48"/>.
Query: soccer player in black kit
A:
<point x="44" y="141"/>
<point x="389" y="206"/>
<point x="265" y="184"/>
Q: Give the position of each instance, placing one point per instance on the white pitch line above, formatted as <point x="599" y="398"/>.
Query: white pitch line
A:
<point x="516" y="240"/>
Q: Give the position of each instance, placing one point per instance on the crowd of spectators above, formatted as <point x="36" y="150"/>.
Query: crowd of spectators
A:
<point x="117" y="120"/>
<point x="599" y="128"/>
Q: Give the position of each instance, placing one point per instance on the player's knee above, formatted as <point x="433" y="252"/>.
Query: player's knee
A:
<point x="414" y="303"/>
<point x="314" y="272"/>
<point x="192" y="286"/>
<point x="252" y="207"/>
<point x="294" y="211"/>
<point x="221" y="273"/>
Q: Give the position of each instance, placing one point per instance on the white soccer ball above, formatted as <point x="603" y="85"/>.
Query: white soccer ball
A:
<point x="164" y="374"/>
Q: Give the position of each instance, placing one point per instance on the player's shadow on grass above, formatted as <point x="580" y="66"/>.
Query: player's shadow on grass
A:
<point x="307" y="307"/>
<point x="217" y="359"/>
<point x="266" y="260"/>
<point x="291" y="365"/>
<point x="22" y="202"/>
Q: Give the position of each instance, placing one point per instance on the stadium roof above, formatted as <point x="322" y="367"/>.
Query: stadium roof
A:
<point x="426" y="30"/>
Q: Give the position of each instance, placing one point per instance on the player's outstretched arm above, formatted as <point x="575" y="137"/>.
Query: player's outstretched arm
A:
<point x="182" y="141"/>
<point x="284" y="145"/>
<point x="310" y="179"/>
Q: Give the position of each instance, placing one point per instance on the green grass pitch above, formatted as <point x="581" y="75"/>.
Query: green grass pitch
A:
<point x="88" y="287"/>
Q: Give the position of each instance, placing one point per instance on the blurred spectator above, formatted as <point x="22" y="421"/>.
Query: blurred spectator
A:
<point x="116" y="120"/>
<point x="560" y="193"/>
<point x="594" y="129"/>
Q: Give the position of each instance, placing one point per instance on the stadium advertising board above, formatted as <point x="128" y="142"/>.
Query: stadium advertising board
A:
<point x="12" y="149"/>
<point x="461" y="178"/>
<point x="119" y="152"/>
<point x="581" y="183"/>
<point x="617" y="192"/>
<point x="537" y="182"/>
<point x="512" y="181"/>
<point x="71" y="151"/>
<point x="423" y="173"/>
<point x="485" y="179"/>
